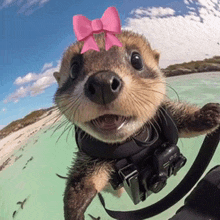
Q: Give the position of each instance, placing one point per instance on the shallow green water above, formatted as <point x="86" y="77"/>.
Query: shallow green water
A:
<point x="33" y="175"/>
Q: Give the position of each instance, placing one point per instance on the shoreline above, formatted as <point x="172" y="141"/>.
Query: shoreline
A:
<point x="18" y="139"/>
<point x="15" y="140"/>
<point x="205" y="75"/>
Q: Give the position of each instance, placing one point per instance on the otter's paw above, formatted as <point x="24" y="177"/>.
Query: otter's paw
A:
<point x="208" y="116"/>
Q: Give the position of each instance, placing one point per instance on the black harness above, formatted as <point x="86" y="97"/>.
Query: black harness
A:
<point x="149" y="138"/>
<point x="143" y="163"/>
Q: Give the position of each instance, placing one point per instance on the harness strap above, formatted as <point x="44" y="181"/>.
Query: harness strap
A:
<point x="150" y="136"/>
<point x="200" y="164"/>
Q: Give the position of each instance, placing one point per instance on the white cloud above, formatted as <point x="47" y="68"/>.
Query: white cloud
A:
<point x="41" y="84"/>
<point x="181" y="36"/>
<point x="7" y="2"/>
<point x="47" y="66"/>
<point x="27" y="6"/>
<point x="26" y="79"/>
<point x="36" y="83"/>
<point x="21" y="92"/>
<point x="44" y="1"/>
<point x="153" y="12"/>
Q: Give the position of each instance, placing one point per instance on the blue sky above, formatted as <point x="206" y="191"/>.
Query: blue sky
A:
<point x="34" y="34"/>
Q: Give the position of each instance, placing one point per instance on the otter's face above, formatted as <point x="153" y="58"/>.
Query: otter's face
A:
<point x="110" y="94"/>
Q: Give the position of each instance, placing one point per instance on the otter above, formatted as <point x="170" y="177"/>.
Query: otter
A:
<point x="111" y="95"/>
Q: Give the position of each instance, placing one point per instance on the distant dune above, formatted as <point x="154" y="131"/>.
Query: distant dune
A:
<point x="23" y="122"/>
<point x="207" y="65"/>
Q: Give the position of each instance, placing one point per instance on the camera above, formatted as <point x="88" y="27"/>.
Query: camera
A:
<point x="141" y="178"/>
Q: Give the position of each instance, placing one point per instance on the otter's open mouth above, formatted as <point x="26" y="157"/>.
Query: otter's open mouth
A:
<point x="109" y="122"/>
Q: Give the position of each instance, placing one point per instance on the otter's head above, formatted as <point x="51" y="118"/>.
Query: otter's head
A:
<point x="110" y="94"/>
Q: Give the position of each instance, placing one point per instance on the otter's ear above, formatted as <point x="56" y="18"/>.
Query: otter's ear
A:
<point x="156" y="55"/>
<point x="57" y="76"/>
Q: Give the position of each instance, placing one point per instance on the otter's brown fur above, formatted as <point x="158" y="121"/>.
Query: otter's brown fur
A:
<point x="142" y="94"/>
<point x="148" y="84"/>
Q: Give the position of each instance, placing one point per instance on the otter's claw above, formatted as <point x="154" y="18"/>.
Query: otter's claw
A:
<point x="93" y="218"/>
<point x="209" y="115"/>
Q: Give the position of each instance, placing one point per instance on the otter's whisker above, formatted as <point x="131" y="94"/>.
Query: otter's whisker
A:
<point x="68" y="107"/>
<point x="178" y="98"/>
<point x="168" y="116"/>
<point x="53" y="124"/>
<point x="69" y="131"/>
<point x="60" y="126"/>
<point x="63" y="132"/>
<point x="145" y="100"/>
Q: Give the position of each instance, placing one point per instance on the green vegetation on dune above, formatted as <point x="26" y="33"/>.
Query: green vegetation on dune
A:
<point x="21" y="123"/>
<point x="206" y="65"/>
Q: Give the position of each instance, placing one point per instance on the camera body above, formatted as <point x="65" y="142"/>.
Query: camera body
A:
<point x="149" y="175"/>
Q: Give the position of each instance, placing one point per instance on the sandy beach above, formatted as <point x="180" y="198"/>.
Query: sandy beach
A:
<point x="16" y="140"/>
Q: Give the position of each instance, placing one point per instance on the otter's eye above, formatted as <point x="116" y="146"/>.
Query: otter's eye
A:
<point x="75" y="66"/>
<point x="136" y="61"/>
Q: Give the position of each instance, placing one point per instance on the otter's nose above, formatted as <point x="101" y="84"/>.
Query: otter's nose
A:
<point x="103" y="87"/>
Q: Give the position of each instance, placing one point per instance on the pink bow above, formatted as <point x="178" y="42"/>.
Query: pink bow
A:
<point x="109" y="23"/>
